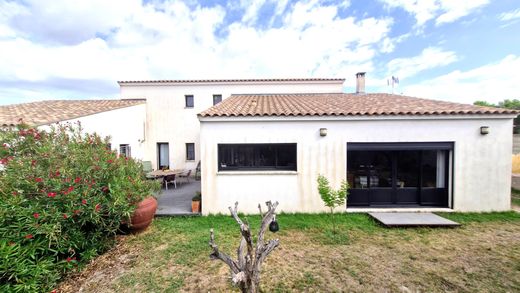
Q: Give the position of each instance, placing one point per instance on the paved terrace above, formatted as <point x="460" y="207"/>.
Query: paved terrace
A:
<point x="177" y="201"/>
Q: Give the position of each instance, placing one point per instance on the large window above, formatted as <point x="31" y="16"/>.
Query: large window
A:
<point x="190" y="151"/>
<point x="124" y="149"/>
<point x="407" y="174"/>
<point x="189" y="101"/>
<point x="217" y="99"/>
<point x="163" y="155"/>
<point x="278" y="156"/>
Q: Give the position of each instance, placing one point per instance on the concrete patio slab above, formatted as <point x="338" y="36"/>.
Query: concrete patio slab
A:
<point x="412" y="220"/>
<point x="177" y="201"/>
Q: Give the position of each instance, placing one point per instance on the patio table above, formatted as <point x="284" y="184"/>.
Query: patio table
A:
<point x="162" y="173"/>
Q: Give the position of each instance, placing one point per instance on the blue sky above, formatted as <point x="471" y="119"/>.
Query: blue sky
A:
<point x="460" y="51"/>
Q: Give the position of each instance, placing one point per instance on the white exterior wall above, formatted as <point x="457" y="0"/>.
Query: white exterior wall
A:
<point x="169" y="121"/>
<point x="482" y="163"/>
<point x="124" y="126"/>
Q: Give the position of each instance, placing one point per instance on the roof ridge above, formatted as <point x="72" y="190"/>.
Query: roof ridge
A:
<point x="231" y="80"/>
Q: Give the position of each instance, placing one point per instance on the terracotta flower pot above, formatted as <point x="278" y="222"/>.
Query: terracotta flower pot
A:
<point x="195" y="206"/>
<point x="144" y="214"/>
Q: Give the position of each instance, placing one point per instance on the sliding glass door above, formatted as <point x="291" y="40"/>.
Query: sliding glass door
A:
<point x="400" y="174"/>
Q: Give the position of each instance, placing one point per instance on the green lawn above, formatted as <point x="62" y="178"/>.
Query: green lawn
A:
<point x="482" y="255"/>
<point x="515" y="196"/>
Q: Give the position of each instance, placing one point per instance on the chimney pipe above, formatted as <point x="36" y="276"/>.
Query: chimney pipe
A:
<point x="360" y="83"/>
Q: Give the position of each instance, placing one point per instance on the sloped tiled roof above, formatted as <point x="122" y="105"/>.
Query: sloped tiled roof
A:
<point x="46" y="112"/>
<point x="338" y="104"/>
<point x="232" y="80"/>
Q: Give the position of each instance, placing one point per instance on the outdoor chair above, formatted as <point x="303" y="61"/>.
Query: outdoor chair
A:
<point x="170" y="179"/>
<point x="147" y="168"/>
<point x="185" y="176"/>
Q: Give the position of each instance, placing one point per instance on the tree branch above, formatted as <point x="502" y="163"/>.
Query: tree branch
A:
<point x="220" y="255"/>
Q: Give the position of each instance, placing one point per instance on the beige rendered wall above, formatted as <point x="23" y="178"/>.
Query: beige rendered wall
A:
<point x="124" y="126"/>
<point x="169" y="121"/>
<point x="482" y="176"/>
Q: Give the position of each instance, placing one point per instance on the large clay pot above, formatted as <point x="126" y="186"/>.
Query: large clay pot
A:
<point x="144" y="214"/>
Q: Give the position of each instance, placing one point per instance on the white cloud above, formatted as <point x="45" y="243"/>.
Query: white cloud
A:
<point x="492" y="82"/>
<point x="173" y="40"/>
<point x="430" y="57"/>
<point x="443" y="11"/>
<point x="510" y="15"/>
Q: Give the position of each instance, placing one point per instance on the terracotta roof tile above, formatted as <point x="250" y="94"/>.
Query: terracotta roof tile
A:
<point x="231" y="80"/>
<point x="46" y="112"/>
<point x="340" y="105"/>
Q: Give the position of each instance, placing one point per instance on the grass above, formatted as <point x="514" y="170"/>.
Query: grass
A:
<point x="482" y="255"/>
<point x="515" y="196"/>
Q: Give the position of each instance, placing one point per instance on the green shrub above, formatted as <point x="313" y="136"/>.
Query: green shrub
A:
<point x="332" y="198"/>
<point x="63" y="196"/>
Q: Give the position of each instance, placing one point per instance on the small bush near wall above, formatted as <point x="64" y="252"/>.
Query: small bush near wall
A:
<point x="63" y="196"/>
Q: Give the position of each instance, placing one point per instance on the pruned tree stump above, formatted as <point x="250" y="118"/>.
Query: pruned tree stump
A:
<point x="245" y="270"/>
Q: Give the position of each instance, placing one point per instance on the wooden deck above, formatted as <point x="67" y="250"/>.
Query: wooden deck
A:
<point x="412" y="220"/>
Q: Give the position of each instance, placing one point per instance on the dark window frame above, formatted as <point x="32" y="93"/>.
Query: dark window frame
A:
<point x="127" y="150"/>
<point x="427" y="196"/>
<point x="159" y="166"/>
<point x="219" y="98"/>
<point x="189" y="101"/>
<point x="188" y="153"/>
<point x="256" y="150"/>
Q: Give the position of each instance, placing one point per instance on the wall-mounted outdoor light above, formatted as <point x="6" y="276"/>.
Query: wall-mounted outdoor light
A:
<point x="323" y="131"/>
<point x="484" y="130"/>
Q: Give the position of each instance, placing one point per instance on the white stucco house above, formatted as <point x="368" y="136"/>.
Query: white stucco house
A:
<point x="268" y="139"/>
<point x="396" y="152"/>
<point x="122" y="120"/>
<point x="172" y="130"/>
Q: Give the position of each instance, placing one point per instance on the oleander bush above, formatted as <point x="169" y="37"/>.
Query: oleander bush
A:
<point x="63" y="197"/>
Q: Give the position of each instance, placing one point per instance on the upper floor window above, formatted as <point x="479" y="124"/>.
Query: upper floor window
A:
<point x="274" y="156"/>
<point x="217" y="99"/>
<point x="190" y="151"/>
<point x="124" y="149"/>
<point x="189" y="101"/>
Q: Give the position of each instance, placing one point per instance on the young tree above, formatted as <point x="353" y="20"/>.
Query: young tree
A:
<point x="332" y="198"/>
<point x="245" y="271"/>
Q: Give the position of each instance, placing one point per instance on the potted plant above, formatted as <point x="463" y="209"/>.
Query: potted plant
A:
<point x="195" y="203"/>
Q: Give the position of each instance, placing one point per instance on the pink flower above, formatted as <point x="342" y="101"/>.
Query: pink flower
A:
<point x="38" y="179"/>
<point x="69" y="190"/>
<point x="14" y="193"/>
<point x="84" y="201"/>
<point x="36" y="215"/>
<point x="98" y="207"/>
<point x="65" y="216"/>
<point x="110" y="161"/>
<point x="76" y="212"/>
<point x="51" y="194"/>
<point x="29" y="236"/>
<point x="77" y="180"/>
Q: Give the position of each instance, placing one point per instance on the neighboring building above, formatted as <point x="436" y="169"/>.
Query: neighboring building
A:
<point x="395" y="151"/>
<point x="122" y="120"/>
<point x="172" y="129"/>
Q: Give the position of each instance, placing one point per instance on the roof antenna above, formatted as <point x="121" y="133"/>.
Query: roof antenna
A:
<point x="395" y="80"/>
